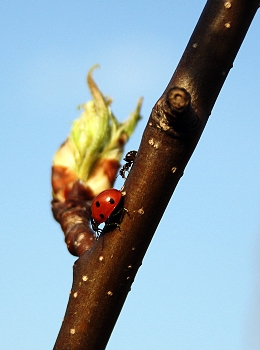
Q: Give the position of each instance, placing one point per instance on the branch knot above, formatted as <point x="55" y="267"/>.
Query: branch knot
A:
<point x="174" y="114"/>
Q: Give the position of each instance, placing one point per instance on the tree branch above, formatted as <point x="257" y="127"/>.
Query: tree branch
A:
<point x="103" y="275"/>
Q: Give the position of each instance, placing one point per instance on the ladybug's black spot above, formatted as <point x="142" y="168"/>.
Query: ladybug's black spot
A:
<point x="111" y="200"/>
<point x="102" y="216"/>
<point x="97" y="204"/>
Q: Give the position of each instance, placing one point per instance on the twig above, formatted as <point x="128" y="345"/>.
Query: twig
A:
<point x="103" y="276"/>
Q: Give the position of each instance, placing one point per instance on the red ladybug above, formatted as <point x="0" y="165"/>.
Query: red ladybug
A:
<point x="105" y="208"/>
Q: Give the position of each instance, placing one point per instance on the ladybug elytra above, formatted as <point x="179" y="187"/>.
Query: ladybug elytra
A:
<point x="104" y="209"/>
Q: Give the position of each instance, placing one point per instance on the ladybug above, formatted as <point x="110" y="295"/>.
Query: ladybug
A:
<point x="106" y="208"/>
<point x="129" y="158"/>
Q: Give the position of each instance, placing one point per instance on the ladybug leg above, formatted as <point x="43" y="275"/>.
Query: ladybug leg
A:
<point x="115" y="224"/>
<point x="122" y="211"/>
<point x="111" y="223"/>
<point x="108" y="227"/>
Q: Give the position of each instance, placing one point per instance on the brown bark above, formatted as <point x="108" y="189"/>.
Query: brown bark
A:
<point x="103" y="276"/>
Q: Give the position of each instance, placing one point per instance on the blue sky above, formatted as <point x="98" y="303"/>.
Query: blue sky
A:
<point x="199" y="285"/>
